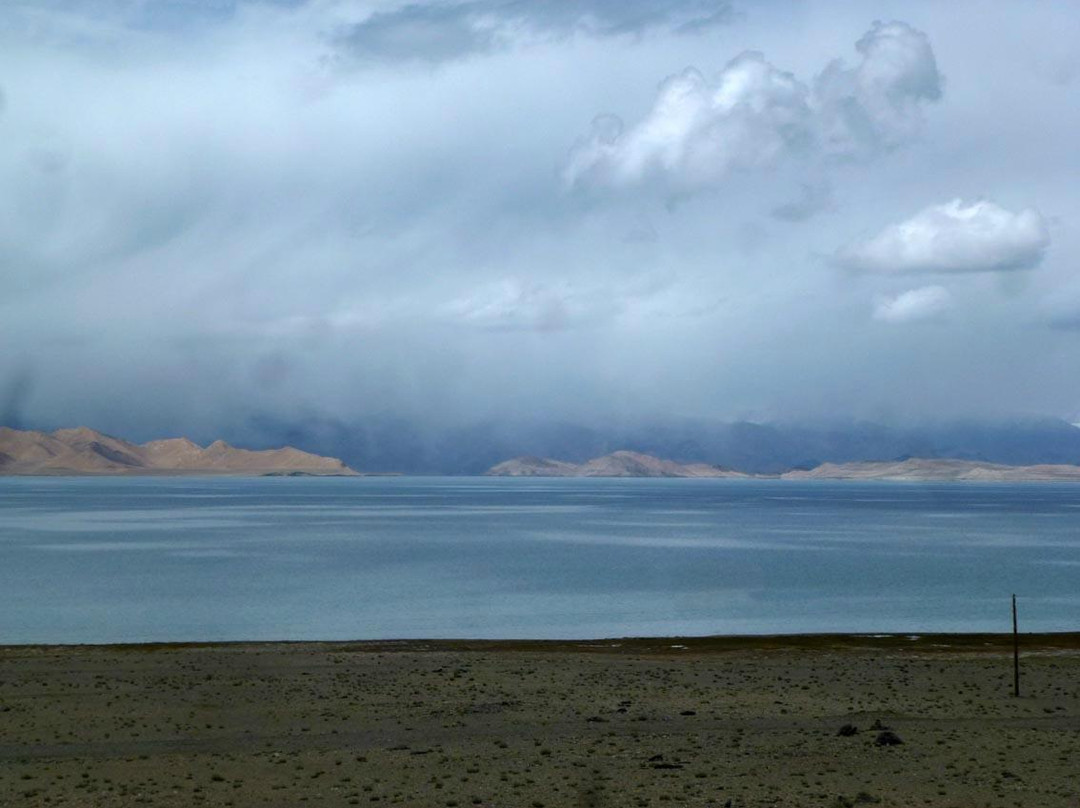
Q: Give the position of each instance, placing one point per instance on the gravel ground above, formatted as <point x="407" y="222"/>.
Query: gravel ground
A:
<point x="797" y="721"/>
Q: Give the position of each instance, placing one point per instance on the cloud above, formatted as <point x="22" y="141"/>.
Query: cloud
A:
<point x="440" y="32"/>
<point x="700" y="130"/>
<point x="1060" y="307"/>
<point x="516" y="304"/>
<point x="428" y="33"/>
<point x="814" y="198"/>
<point x="877" y="105"/>
<point x="953" y="237"/>
<point x="519" y="305"/>
<point x="753" y="115"/>
<point x="924" y="303"/>
<point x="307" y="239"/>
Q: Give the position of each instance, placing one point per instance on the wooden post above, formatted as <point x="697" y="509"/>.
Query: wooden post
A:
<point x="1016" y="653"/>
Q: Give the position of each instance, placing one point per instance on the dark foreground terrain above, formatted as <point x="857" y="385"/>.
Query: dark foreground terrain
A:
<point x="725" y="722"/>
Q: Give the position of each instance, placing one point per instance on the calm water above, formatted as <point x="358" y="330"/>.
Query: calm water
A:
<point x="107" y="560"/>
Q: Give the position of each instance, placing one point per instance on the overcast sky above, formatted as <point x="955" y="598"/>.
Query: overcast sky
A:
<point x="763" y="210"/>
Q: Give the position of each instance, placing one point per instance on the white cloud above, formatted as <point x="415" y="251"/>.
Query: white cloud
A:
<point x="699" y="130"/>
<point x="753" y="114"/>
<point x="953" y="237"/>
<point x="924" y="303"/>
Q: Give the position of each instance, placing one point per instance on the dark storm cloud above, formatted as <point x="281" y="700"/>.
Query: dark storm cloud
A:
<point x="438" y="32"/>
<point x="15" y="392"/>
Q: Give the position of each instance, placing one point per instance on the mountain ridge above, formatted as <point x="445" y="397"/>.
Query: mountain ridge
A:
<point x="918" y="469"/>
<point x="634" y="464"/>
<point x="622" y="463"/>
<point x="403" y="443"/>
<point x="82" y="450"/>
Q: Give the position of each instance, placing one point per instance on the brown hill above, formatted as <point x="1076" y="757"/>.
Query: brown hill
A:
<point x="616" y="464"/>
<point x="917" y="469"/>
<point x="529" y="466"/>
<point x="85" y="451"/>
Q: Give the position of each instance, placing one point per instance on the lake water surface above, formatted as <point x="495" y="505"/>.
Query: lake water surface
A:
<point x="89" y="560"/>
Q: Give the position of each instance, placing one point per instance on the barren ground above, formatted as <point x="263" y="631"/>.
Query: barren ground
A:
<point x="717" y="721"/>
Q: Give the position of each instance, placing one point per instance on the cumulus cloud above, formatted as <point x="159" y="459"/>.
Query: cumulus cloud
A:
<point x="953" y="237"/>
<point x="440" y="32"/>
<point x="752" y="115"/>
<point x="699" y="130"/>
<point x="877" y="104"/>
<point x="924" y="303"/>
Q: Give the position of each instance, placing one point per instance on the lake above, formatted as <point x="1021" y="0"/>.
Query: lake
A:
<point x="93" y="560"/>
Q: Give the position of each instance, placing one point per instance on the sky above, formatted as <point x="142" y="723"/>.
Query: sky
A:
<point x="768" y="210"/>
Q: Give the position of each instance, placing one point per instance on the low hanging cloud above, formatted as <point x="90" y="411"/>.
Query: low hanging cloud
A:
<point x="518" y="305"/>
<point x="924" y="303"/>
<point x="441" y="32"/>
<point x="753" y="115"/>
<point x="955" y="237"/>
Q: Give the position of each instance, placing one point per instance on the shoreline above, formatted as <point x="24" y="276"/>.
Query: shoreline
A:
<point x="783" y="477"/>
<point x="937" y="642"/>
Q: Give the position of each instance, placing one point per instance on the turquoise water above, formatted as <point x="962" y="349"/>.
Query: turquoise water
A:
<point x="124" y="560"/>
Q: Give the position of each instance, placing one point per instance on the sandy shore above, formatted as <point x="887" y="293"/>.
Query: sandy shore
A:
<point x="724" y="722"/>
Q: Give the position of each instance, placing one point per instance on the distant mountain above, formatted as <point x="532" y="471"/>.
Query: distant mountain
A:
<point x="534" y="467"/>
<point x="396" y="443"/>
<point x="85" y="451"/>
<point x="634" y="464"/>
<point x="616" y="464"/>
<point x="920" y="469"/>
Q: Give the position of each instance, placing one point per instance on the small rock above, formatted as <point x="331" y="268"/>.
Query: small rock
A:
<point x="847" y="730"/>
<point x="887" y="738"/>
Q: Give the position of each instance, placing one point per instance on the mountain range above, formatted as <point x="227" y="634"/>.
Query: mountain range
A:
<point x="396" y="442"/>
<point x="922" y="469"/>
<point x="86" y="451"/>
<point x="1047" y="450"/>
<point x="634" y="464"/>
<point x="616" y="464"/>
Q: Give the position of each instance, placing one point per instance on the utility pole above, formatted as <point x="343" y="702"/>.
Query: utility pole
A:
<point x="1016" y="653"/>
